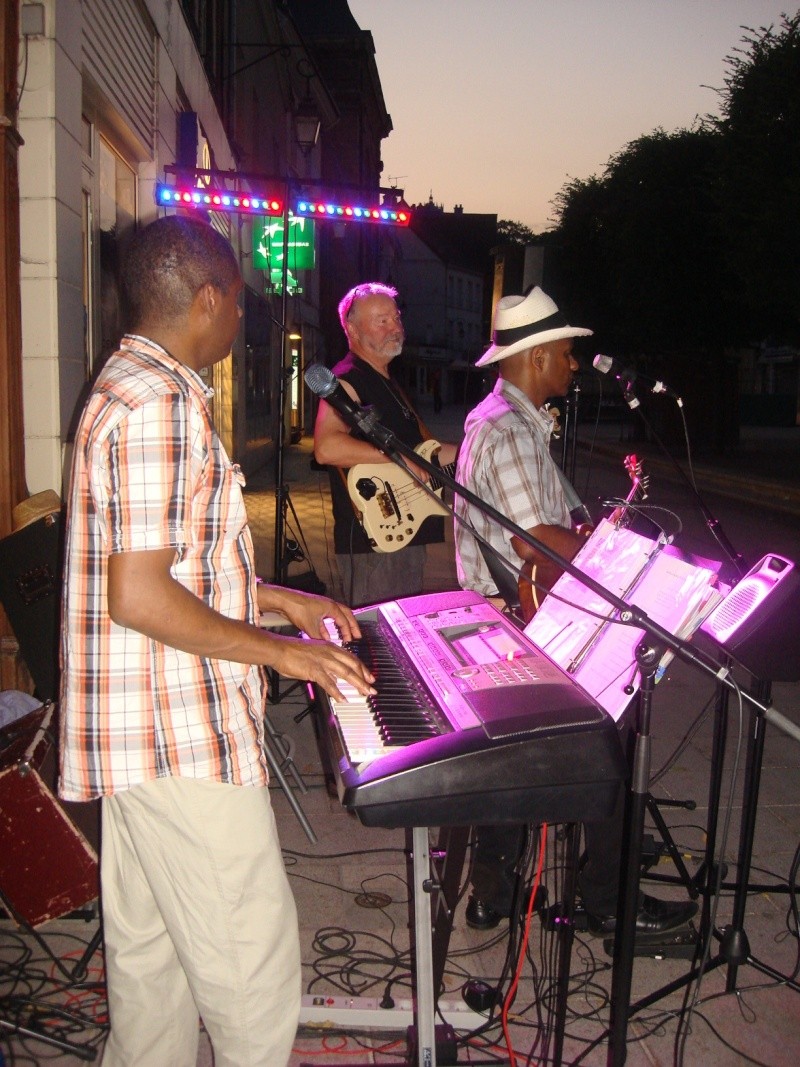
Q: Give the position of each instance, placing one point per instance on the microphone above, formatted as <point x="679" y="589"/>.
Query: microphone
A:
<point x="606" y="364"/>
<point x="626" y="376"/>
<point x="324" y="384"/>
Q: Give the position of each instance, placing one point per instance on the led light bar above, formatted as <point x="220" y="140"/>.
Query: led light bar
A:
<point x="209" y="199"/>
<point x="329" y="209"/>
<point x="217" y="200"/>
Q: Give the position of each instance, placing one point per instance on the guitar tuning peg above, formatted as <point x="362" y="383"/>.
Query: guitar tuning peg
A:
<point x="555" y="415"/>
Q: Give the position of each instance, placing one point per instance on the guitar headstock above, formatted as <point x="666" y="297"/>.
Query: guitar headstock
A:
<point x="639" y="480"/>
<point x="555" y="415"/>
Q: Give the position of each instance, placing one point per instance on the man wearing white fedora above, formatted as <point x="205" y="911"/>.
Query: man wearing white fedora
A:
<point x="505" y="460"/>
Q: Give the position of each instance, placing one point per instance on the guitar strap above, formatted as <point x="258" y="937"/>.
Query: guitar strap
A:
<point x="577" y="509"/>
<point x="423" y="429"/>
<point x="394" y="387"/>
<point x="507" y="584"/>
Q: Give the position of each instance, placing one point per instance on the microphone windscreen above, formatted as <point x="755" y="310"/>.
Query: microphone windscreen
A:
<point x="320" y="380"/>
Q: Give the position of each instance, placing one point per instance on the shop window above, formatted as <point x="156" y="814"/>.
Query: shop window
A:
<point x="109" y="216"/>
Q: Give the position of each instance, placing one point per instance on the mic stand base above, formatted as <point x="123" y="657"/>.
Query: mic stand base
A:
<point x="648" y="656"/>
<point x="734" y="946"/>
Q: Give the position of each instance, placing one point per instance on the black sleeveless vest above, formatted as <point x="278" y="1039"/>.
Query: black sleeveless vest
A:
<point x="374" y="390"/>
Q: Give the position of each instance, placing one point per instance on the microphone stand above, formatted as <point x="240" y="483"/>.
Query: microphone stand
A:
<point x="569" y="430"/>
<point x="712" y="523"/>
<point x="648" y="655"/>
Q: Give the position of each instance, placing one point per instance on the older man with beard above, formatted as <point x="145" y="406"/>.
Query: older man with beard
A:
<point x="372" y="324"/>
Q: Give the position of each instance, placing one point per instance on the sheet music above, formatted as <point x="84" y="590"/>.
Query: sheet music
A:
<point x="672" y="590"/>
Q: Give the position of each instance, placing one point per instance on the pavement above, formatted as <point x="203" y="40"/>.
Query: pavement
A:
<point x="351" y="884"/>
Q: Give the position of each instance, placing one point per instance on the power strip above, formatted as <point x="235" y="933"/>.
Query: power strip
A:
<point x="365" y="1012"/>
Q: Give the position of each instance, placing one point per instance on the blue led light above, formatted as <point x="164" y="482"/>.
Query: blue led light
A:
<point x="222" y="200"/>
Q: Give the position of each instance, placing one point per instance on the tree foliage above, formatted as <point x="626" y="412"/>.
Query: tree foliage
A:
<point x="644" y="239"/>
<point x="514" y="233"/>
<point x="691" y="238"/>
<point x="760" y="175"/>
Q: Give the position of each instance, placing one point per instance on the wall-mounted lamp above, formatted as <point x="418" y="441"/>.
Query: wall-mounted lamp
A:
<point x="306" y="115"/>
<point x="306" y="124"/>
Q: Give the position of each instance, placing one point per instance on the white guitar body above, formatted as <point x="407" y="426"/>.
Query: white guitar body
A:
<point x="390" y="505"/>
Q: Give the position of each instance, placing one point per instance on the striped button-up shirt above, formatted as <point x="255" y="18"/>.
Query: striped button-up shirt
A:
<point x="149" y="472"/>
<point x="505" y="460"/>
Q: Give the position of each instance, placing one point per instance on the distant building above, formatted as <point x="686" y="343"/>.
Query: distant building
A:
<point x="350" y="153"/>
<point x="443" y="269"/>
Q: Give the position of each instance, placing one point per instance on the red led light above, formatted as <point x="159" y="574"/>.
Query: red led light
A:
<point x="249" y="204"/>
<point x="388" y="215"/>
<point x="217" y="199"/>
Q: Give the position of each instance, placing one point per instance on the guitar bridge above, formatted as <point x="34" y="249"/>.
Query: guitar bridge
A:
<point x="388" y="504"/>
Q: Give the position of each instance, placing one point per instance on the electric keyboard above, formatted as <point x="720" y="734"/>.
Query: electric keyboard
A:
<point x="471" y="723"/>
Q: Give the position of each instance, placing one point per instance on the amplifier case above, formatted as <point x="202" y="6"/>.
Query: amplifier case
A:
<point x="47" y="867"/>
<point x="30" y="592"/>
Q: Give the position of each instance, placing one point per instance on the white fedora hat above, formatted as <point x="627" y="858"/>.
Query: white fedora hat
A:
<point x="521" y="322"/>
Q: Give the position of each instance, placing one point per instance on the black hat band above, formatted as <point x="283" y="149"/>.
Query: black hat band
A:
<point x="518" y="333"/>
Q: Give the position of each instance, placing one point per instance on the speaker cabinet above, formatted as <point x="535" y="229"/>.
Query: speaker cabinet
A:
<point x="47" y="867"/>
<point x="758" y="622"/>
<point x="30" y="592"/>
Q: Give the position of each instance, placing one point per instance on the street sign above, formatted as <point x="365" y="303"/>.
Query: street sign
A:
<point x="268" y="245"/>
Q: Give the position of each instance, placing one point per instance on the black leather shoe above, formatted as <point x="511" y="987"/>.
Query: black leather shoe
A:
<point x="653" y="917"/>
<point x="480" y="915"/>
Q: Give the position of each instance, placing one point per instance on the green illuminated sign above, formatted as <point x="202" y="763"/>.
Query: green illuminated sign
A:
<point x="268" y="245"/>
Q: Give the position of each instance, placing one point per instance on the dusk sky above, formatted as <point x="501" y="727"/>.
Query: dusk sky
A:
<point x="497" y="103"/>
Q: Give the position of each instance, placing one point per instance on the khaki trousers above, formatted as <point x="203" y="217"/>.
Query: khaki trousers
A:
<point x="199" y="921"/>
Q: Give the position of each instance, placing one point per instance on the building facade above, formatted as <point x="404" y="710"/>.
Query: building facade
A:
<point x="118" y="95"/>
<point x="104" y="100"/>
<point x="442" y="267"/>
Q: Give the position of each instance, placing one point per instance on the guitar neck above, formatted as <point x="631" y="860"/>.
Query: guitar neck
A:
<point x="449" y="471"/>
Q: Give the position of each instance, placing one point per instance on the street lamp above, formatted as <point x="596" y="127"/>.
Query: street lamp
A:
<point x="306" y="124"/>
<point x="306" y="115"/>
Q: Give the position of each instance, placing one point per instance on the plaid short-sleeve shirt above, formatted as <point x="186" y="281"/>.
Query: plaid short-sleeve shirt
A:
<point x="505" y="460"/>
<point x="149" y="472"/>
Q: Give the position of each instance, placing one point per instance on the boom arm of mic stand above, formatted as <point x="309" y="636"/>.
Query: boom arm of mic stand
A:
<point x="630" y="614"/>
<point x="711" y="521"/>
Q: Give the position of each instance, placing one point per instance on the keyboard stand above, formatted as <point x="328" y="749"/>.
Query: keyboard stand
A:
<point x="279" y="757"/>
<point x="436" y="871"/>
<point x="425" y="994"/>
<point x="431" y="939"/>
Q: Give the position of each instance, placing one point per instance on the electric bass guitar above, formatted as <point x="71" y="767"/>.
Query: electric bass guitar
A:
<point x="389" y="504"/>
<point x="545" y="573"/>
